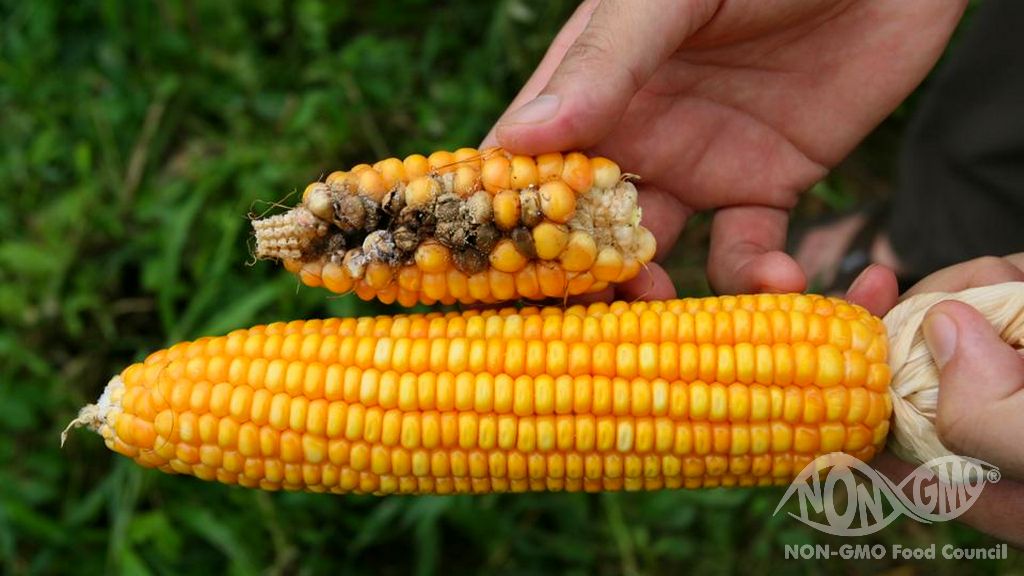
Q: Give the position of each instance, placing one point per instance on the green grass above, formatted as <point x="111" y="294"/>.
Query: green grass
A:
<point x="136" y="138"/>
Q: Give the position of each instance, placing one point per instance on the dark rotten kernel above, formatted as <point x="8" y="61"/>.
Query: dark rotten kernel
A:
<point x="448" y="208"/>
<point x="470" y="261"/>
<point x="393" y="202"/>
<point x="379" y="246"/>
<point x="406" y="240"/>
<point x="453" y="234"/>
<point x="478" y="208"/>
<point x="523" y="241"/>
<point x="529" y="206"/>
<point x="485" y="237"/>
<point x="373" y="213"/>
<point x="335" y="248"/>
<point x="350" y="214"/>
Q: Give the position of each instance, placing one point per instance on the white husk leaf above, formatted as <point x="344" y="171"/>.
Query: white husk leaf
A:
<point x="915" y="377"/>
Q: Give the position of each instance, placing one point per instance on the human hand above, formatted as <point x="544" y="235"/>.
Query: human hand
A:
<point x="736" y="106"/>
<point x="981" y="392"/>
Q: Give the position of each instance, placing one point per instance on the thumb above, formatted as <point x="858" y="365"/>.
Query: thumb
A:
<point x="981" y="382"/>
<point x="609" y="62"/>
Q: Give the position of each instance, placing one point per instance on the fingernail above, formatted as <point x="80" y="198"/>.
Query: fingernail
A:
<point x="940" y="333"/>
<point x="540" y="109"/>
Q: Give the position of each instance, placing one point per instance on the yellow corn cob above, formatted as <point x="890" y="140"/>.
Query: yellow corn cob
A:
<point x="467" y="226"/>
<point x="686" y="393"/>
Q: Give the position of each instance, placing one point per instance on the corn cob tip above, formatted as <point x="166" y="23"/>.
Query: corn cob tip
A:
<point x="94" y="416"/>
<point x="464" y="227"/>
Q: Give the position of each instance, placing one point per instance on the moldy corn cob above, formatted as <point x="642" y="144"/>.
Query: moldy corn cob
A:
<point x="465" y="226"/>
<point x="686" y="393"/>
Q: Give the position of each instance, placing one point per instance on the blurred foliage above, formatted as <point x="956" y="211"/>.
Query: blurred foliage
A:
<point x="137" y="136"/>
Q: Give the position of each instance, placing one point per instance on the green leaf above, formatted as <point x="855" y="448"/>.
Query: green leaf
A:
<point x="222" y="536"/>
<point x="26" y="258"/>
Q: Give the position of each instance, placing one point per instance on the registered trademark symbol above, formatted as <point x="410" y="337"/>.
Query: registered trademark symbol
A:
<point x="993" y="475"/>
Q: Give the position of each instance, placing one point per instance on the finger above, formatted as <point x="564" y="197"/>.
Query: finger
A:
<point x="664" y="215"/>
<point x="652" y="283"/>
<point x="552" y="58"/>
<point x="1016" y="259"/>
<point x="622" y="45"/>
<point x="997" y="510"/>
<point x="745" y="254"/>
<point x="973" y="273"/>
<point x="876" y="289"/>
<point x="981" y="381"/>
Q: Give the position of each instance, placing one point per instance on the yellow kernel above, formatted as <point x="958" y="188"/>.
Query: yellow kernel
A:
<point x="468" y="430"/>
<point x="496" y="173"/>
<point x="544" y="394"/>
<point x="726" y="369"/>
<point x="467" y="181"/>
<point x="805" y="360"/>
<point x="576" y="172"/>
<point x="392" y="171"/>
<point x="378" y="275"/>
<point x="338" y="176"/>
<point x="506" y="258"/>
<point x="210" y="456"/>
<point x="814" y="405"/>
<point x="434" y="285"/>
<point x="718" y="403"/>
<point x="557" y="201"/>
<point x="506" y="209"/>
<point x="549" y="166"/>
<point x="646" y="245"/>
<point x="550" y="240"/>
<point x="523" y="172"/>
<point x="527" y="283"/>
<point x="279" y="411"/>
<point x="878" y="377"/>
<point x="298" y="407"/>
<point x="832" y="435"/>
<point x="421" y="191"/>
<point x="605" y="434"/>
<point x="699" y="401"/>
<point x="878" y="410"/>
<point x="630" y="268"/>
<point x="806" y="439"/>
<point x="433" y="257"/>
<point x="579" y="252"/>
<point x="745" y="362"/>
<point x="782" y="361"/>
<point x="502" y="284"/>
<point x="371" y="184"/>
<point x="354" y="418"/>
<point x="468" y="157"/>
<point x="607" y="265"/>
<point x="606" y="172"/>
<point x="526" y="439"/>
<point x="416" y="166"/>
<point x="441" y="161"/>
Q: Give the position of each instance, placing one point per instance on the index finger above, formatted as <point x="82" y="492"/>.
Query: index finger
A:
<point x="746" y="252"/>
<point x="971" y="274"/>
